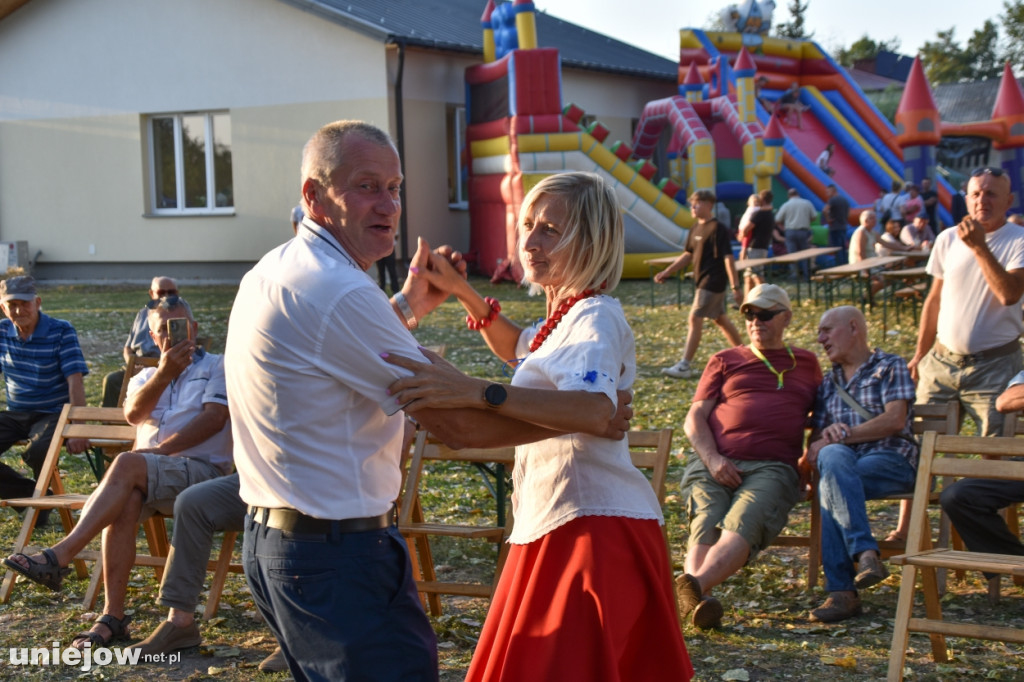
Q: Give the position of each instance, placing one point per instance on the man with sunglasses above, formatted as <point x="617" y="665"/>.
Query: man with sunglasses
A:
<point x="746" y="426"/>
<point x="862" y="447"/>
<point x="968" y="345"/>
<point x="139" y="342"/>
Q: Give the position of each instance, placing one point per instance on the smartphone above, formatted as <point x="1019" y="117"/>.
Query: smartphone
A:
<point x="178" y="330"/>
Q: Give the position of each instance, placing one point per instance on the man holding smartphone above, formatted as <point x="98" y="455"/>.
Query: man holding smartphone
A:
<point x="183" y="438"/>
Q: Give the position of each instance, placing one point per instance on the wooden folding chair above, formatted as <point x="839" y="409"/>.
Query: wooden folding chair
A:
<point x="944" y="456"/>
<point x="943" y="418"/>
<point x="1013" y="426"/>
<point x="103" y="425"/>
<point x="135" y="363"/>
<point x="417" y="530"/>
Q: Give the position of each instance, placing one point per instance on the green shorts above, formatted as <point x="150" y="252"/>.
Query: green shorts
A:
<point x="757" y="511"/>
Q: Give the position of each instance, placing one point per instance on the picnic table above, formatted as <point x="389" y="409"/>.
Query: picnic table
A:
<point x="857" y="274"/>
<point x="808" y="255"/>
<point x="907" y="283"/>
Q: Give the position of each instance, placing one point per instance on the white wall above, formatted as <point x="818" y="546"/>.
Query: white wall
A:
<point x="71" y="120"/>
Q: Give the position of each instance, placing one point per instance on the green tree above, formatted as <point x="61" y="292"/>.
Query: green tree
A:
<point x="1012" y="20"/>
<point x="944" y="60"/>
<point x="865" y="48"/>
<point x="794" y="28"/>
<point x="982" y="52"/>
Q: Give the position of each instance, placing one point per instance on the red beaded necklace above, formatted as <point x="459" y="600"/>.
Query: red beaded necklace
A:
<point x="556" y="317"/>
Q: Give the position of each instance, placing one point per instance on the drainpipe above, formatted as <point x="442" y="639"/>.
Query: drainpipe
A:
<point x="400" y="143"/>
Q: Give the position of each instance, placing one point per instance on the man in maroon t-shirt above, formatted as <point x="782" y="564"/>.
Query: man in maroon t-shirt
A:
<point x="746" y="426"/>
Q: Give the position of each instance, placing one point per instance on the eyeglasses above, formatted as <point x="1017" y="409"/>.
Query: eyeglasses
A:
<point x="763" y="315"/>
<point x="160" y="293"/>
<point x="165" y="302"/>
<point x="994" y="172"/>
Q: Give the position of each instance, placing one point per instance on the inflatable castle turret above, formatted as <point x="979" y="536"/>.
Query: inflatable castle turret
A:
<point x="918" y="130"/>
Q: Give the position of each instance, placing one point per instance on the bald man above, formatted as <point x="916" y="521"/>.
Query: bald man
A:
<point x="863" y="448"/>
<point x="967" y="345"/>
<point x="139" y="341"/>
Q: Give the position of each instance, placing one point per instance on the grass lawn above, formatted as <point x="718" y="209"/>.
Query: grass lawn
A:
<point x="766" y="634"/>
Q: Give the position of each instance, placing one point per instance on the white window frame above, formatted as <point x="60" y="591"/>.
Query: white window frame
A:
<point x="211" y="207"/>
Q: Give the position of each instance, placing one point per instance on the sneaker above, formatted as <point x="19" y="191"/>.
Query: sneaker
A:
<point x="872" y="571"/>
<point x="688" y="593"/>
<point x="708" y="614"/>
<point x="680" y="370"/>
<point x="839" y="606"/>
<point x="274" y="663"/>
<point x="168" y="637"/>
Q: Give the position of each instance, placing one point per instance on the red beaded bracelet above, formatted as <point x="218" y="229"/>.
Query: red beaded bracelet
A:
<point x="485" y="322"/>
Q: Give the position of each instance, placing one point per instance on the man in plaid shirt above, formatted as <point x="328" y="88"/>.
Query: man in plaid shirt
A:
<point x="863" y="448"/>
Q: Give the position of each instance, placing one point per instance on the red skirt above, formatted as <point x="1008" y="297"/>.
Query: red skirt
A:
<point x="591" y="600"/>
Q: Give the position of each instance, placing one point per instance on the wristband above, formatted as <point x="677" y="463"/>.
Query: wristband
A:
<point x="406" y="309"/>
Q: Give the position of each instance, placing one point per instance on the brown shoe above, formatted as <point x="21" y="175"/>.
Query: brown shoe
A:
<point x="708" y="613"/>
<point x="688" y="592"/>
<point x="872" y="571"/>
<point x="839" y="606"/>
<point x="168" y="637"/>
<point x="274" y="663"/>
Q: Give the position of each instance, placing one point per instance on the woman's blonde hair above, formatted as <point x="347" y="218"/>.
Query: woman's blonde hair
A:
<point x="593" y="233"/>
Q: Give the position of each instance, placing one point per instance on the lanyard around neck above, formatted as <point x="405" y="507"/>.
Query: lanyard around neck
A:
<point x="779" y="375"/>
<point x="333" y="246"/>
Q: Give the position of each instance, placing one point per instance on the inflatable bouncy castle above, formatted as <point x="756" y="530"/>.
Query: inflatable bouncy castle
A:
<point x="724" y="128"/>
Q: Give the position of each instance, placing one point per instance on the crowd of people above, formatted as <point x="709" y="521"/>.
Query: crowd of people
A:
<point x="295" y="435"/>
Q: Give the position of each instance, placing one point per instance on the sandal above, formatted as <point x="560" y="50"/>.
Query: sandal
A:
<point x="118" y="630"/>
<point x="895" y="536"/>
<point x="51" y="574"/>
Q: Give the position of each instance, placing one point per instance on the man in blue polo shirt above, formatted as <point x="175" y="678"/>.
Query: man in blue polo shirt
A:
<point x="43" y="368"/>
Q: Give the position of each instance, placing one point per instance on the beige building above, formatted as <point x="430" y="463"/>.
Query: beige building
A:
<point x="135" y="133"/>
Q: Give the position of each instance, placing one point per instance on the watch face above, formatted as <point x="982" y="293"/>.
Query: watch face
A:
<point x="495" y="395"/>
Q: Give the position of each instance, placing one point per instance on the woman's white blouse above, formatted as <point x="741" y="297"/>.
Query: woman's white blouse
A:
<point x="566" y="477"/>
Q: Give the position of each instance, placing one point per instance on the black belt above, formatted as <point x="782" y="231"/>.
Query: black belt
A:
<point x="293" y="521"/>
<point x="980" y="356"/>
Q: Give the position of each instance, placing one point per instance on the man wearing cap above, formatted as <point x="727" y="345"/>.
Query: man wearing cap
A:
<point x="43" y="368"/>
<point x="863" y="447"/>
<point x="746" y="426"/>
<point x="968" y="345"/>
<point x="139" y="342"/>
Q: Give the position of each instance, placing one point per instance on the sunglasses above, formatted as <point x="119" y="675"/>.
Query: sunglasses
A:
<point x="994" y="172"/>
<point x="165" y="302"/>
<point x="763" y="315"/>
<point x="160" y="293"/>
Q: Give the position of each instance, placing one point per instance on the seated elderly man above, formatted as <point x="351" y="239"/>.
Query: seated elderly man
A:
<point x="139" y="341"/>
<point x="200" y="511"/>
<point x="747" y="429"/>
<point x="183" y="438"/>
<point x="973" y="504"/>
<point x="43" y="367"/>
<point x="863" y="448"/>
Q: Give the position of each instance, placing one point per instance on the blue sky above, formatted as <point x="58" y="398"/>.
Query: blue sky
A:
<point x="654" y="24"/>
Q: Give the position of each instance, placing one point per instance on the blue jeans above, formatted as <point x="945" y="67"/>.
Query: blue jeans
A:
<point x="846" y="481"/>
<point x="799" y="240"/>
<point x="343" y="606"/>
<point x="838" y="238"/>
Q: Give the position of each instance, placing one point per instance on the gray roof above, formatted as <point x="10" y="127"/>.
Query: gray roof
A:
<point x="454" y="26"/>
<point x="967" y="102"/>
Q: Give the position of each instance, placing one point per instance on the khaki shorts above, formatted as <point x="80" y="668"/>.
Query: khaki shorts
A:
<point x="708" y="304"/>
<point x="752" y="254"/>
<point x="167" y="476"/>
<point x="757" y="511"/>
